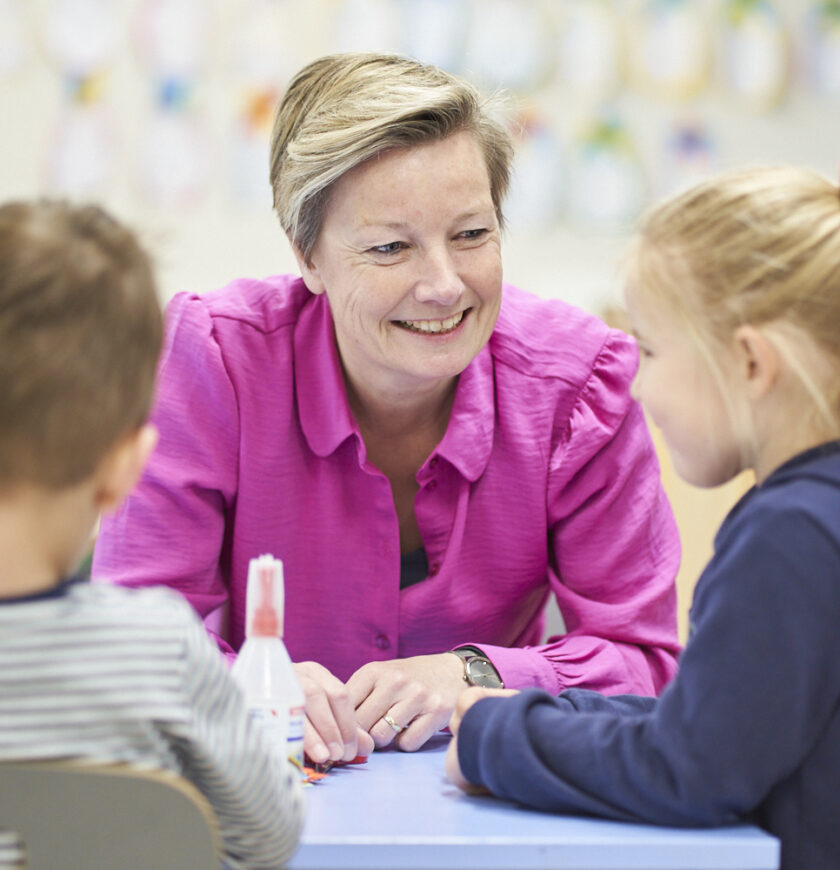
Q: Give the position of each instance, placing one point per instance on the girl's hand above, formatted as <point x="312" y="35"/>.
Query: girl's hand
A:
<point x="465" y="701"/>
<point x="453" y="771"/>
<point x="330" y="731"/>
<point x="469" y="697"/>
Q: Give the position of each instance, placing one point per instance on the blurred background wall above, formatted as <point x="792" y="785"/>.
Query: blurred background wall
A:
<point x="161" y="110"/>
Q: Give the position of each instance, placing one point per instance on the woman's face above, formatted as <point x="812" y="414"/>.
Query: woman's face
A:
<point x="409" y="256"/>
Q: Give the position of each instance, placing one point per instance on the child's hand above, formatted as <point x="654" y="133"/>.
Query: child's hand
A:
<point x="465" y="701"/>
<point x="468" y="697"/>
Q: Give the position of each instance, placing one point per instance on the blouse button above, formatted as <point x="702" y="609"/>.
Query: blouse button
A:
<point x="433" y="462"/>
<point x="431" y="485"/>
<point x="382" y="641"/>
<point x="433" y="569"/>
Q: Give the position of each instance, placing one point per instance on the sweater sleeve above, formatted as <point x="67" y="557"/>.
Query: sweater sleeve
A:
<point x="747" y="706"/>
<point x="170" y="529"/>
<point x="258" y="799"/>
<point x="614" y="546"/>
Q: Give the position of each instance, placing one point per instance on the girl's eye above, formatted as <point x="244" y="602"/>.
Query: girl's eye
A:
<point x="471" y="235"/>
<point x="390" y="248"/>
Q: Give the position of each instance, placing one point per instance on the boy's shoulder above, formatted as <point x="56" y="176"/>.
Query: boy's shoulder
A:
<point x="154" y="605"/>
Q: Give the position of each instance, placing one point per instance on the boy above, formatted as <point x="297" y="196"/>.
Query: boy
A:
<point x="97" y="671"/>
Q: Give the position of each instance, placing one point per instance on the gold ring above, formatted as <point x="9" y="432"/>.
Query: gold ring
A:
<point x="398" y="729"/>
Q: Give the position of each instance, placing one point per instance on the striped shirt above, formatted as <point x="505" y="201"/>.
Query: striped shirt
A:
<point x="117" y="675"/>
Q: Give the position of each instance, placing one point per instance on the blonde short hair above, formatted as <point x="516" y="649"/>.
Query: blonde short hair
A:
<point x="757" y="246"/>
<point x="344" y="109"/>
<point x="80" y="333"/>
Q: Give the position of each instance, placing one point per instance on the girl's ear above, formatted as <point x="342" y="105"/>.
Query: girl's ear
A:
<point x="122" y="467"/>
<point x="308" y="271"/>
<point x="757" y="361"/>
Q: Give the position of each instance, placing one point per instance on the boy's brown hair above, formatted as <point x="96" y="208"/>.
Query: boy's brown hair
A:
<point x="80" y="333"/>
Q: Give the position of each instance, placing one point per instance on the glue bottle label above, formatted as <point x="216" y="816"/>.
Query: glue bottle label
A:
<point x="272" y="723"/>
<point x="295" y="735"/>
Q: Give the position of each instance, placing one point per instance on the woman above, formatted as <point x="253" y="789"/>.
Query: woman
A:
<point x="430" y="454"/>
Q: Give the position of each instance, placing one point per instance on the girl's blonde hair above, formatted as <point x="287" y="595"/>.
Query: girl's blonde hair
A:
<point x="757" y="246"/>
<point x="344" y="109"/>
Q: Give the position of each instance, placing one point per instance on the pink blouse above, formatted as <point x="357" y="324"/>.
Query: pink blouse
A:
<point x="546" y="482"/>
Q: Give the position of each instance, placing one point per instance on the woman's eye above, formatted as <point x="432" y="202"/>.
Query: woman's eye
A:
<point x="473" y="234"/>
<point x="390" y="248"/>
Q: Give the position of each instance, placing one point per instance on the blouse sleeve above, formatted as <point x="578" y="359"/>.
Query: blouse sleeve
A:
<point x="614" y="547"/>
<point x="170" y="529"/>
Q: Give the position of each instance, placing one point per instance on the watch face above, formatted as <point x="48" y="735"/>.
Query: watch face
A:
<point x="481" y="673"/>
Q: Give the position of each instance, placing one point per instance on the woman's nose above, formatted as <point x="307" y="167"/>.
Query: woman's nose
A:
<point x="439" y="280"/>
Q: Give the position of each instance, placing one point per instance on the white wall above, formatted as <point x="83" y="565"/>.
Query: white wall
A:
<point x="216" y="239"/>
<point x="201" y="247"/>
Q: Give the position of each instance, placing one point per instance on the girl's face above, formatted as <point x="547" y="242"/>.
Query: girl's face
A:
<point x="409" y="256"/>
<point x="681" y="396"/>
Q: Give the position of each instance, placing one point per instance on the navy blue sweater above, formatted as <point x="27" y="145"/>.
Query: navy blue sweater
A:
<point x="749" y="730"/>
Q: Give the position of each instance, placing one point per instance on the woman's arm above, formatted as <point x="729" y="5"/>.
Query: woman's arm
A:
<point x="170" y="530"/>
<point x="614" y="547"/>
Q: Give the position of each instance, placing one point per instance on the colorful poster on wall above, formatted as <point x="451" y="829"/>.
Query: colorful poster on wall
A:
<point x="608" y="184"/>
<point x="538" y="187"/>
<point x="510" y="44"/>
<point x="822" y="46"/>
<point x="670" y="52"/>
<point x="81" y="39"/>
<point x="262" y="60"/>
<point x="174" y="159"/>
<point x="590" y="49"/>
<point x="756" y="53"/>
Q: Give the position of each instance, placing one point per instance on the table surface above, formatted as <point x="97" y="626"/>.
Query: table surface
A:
<point x="398" y="811"/>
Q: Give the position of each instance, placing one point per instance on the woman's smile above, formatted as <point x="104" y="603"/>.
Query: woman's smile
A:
<point x="434" y="327"/>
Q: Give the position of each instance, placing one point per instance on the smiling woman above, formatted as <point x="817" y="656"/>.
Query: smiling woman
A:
<point x="432" y="453"/>
<point x="413" y="278"/>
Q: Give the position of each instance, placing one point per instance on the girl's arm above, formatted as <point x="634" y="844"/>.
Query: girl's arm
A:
<point x="758" y="684"/>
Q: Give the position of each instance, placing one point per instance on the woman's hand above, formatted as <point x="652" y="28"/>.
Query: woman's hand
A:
<point x="417" y="695"/>
<point x="465" y="701"/>
<point x="331" y="732"/>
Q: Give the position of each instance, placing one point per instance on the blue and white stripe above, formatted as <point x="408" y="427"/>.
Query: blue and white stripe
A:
<point x="112" y="674"/>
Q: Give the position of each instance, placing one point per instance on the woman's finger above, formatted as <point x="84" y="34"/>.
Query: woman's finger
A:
<point x="394" y="722"/>
<point x="330" y="733"/>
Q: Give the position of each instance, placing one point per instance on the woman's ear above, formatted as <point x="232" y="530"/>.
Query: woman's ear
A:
<point x="757" y="361"/>
<point x="308" y="271"/>
<point x="122" y="467"/>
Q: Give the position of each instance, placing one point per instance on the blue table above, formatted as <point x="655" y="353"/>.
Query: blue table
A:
<point x="398" y="811"/>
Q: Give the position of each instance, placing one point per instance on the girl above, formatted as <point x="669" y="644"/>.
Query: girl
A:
<point x="734" y="296"/>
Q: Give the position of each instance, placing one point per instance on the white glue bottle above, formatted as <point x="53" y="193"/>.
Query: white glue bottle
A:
<point x="263" y="668"/>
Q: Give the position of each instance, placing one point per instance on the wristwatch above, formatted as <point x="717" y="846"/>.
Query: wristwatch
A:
<point x="478" y="669"/>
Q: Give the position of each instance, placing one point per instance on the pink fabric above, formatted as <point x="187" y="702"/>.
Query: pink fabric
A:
<point x="545" y="482"/>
